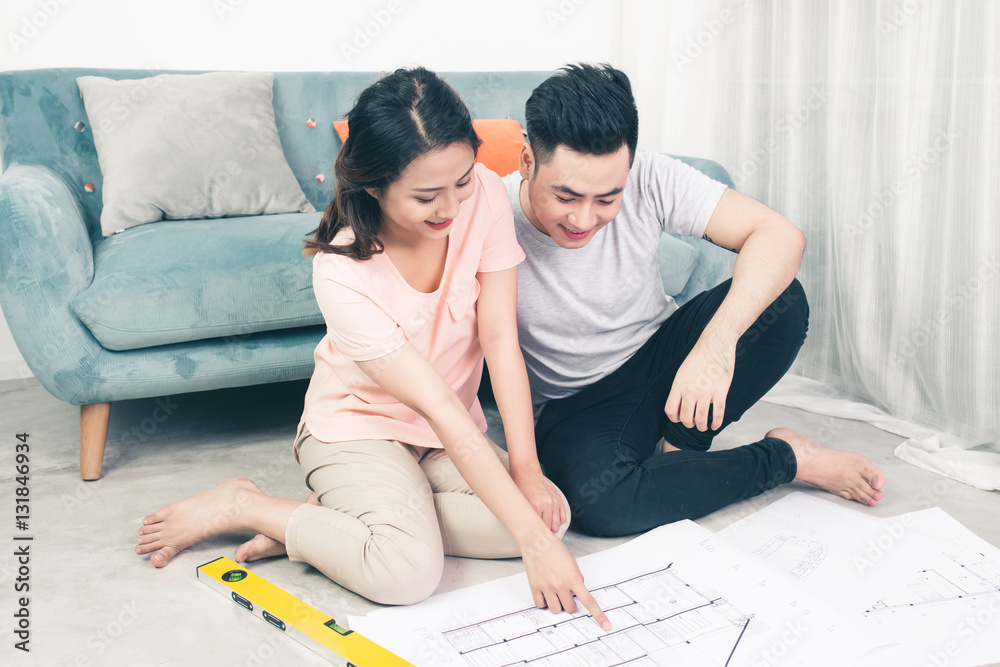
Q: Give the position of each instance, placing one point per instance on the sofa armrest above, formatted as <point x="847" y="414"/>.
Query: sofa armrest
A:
<point x="46" y="259"/>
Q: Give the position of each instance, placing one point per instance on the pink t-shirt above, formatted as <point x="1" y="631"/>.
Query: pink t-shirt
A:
<point x="370" y="311"/>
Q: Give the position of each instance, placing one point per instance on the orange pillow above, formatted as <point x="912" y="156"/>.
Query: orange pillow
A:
<point x="502" y="141"/>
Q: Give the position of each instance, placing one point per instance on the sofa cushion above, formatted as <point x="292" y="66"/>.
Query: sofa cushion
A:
<point x="188" y="146"/>
<point x="677" y="261"/>
<point x="186" y="280"/>
<point x="501" y="148"/>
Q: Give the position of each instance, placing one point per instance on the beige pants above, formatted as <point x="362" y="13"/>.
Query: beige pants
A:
<point x="390" y="513"/>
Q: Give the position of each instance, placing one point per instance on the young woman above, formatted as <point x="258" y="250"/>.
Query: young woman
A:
<point x="415" y="271"/>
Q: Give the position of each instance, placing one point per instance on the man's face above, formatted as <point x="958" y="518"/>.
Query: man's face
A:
<point x="571" y="196"/>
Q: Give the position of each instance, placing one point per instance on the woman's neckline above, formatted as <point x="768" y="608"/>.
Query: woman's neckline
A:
<point x="402" y="278"/>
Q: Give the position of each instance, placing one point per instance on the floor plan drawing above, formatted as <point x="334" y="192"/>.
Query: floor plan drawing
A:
<point x="959" y="574"/>
<point x="659" y="619"/>
<point x="674" y="596"/>
<point x="806" y="553"/>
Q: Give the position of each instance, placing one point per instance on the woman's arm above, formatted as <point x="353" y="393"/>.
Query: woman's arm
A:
<point x="497" y="312"/>
<point x="552" y="572"/>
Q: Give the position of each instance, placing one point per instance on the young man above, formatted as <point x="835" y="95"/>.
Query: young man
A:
<point x="630" y="389"/>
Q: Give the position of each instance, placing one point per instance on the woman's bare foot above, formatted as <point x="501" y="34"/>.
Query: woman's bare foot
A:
<point x="262" y="546"/>
<point x="236" y="505"/>
<point x="846" y="474"/>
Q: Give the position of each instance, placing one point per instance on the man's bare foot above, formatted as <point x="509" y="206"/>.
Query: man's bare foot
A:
<point x="262" y="546"/>
<point x="846" y="474"/>
<point x="667" y="447"/>
<point x="232" y="506"/>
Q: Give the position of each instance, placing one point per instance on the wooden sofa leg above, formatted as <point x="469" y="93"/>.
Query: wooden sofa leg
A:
<point x="93" y="434"/>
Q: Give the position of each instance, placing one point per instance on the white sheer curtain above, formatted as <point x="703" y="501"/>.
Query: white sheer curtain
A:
<point x="874" y="125"/>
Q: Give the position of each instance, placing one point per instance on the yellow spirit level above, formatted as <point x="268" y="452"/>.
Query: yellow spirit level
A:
<point x="306" y="624"/>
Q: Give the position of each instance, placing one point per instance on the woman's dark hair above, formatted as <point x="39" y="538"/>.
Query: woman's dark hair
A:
<point x="589" y="109"/>
<point x="394" y="121"/>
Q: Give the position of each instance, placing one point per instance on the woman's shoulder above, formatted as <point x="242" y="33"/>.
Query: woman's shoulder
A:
<point x="341" y="268"/>
<point x="487" y="176"/>
<point x="490" y="187"/>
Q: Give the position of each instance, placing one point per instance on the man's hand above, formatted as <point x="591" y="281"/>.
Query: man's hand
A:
<point x="702" y="382"/>
<point x="544" y="497"/>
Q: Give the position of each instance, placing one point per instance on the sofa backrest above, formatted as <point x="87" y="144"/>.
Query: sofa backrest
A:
<point x="39" y="110"/>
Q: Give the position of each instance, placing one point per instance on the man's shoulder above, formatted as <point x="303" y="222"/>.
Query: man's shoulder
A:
<point x="651" y="167"/>
<point x="512" y="182"/>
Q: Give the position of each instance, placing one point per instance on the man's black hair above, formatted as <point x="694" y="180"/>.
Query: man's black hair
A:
<point x="587" y="108"/>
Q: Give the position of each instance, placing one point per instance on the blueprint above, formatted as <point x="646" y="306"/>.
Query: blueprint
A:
<point x="653" y="615"/>
<point x="675" y="596"/>
<point x="957" y="574"/>
<point x="920" y="580"/>
<point x="803" y="581"/>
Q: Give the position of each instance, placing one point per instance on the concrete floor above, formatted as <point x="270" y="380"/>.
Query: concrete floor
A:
<point x="93" y="601"/>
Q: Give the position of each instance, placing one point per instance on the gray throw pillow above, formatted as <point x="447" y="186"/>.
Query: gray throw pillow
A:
<point x="180" y="146"/>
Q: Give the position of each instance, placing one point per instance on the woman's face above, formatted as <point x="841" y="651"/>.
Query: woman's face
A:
<point x="428" y="195"/>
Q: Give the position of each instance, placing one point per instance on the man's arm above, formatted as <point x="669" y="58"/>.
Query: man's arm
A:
<point x="769" y="251"/>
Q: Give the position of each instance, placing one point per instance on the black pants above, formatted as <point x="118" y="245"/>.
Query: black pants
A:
<point x="601" y="445"/>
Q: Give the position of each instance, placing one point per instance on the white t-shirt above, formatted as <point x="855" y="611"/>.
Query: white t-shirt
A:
<point x="583" y="313"/>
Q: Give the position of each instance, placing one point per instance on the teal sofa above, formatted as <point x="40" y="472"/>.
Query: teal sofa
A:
<point x="184" y="305"/>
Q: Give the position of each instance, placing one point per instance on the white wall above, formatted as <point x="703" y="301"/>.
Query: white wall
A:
<point x="377" y="35"/>
<point x="307" y="34"/>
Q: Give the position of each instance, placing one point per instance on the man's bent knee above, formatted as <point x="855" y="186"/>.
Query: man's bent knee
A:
<point x="601" y="504"/>
<point x="793" y="302"/>
<point x="786" y="319"/>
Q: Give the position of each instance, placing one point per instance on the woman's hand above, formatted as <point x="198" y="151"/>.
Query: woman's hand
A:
<point x="554" y="578"/>
<point x="552" y="571"/>
<point x="544" y="497"/>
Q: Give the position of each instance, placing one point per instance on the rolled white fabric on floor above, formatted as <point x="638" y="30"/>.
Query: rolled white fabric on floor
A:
<point x="978" y="466"/>
<point x="974" y="463"/>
